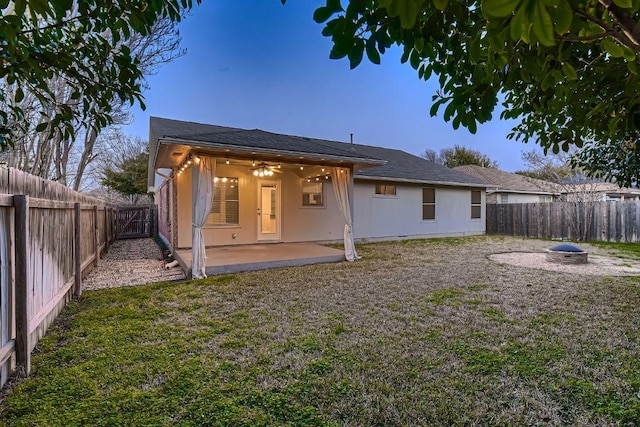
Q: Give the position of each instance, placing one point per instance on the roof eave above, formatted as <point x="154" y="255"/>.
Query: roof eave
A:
<point x="368" y="162"/>
<point x="544" y="193"/>
<point x="421" y="181"/>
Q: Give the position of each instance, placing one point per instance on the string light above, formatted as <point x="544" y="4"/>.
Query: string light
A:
<point x="187" y="162"/>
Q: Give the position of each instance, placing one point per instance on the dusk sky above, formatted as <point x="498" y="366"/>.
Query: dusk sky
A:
<point x="259" y="64"/>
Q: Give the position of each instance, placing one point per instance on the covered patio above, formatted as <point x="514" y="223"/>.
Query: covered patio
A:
<point x="237" y="258"/>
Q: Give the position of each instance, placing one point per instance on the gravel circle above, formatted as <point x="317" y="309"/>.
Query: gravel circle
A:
<point x="131" y="262"/>
<point x="597" y="265"/>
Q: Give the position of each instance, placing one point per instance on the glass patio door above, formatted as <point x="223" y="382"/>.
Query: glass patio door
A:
<point x="268" y="210"/>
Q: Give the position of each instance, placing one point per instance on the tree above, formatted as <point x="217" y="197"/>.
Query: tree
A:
<point x="80" y="43"/>
<point x="552" y="167"/>
<point x="566" y="69"/>
<point x="67" y="160"/>
<point x="130" y="178"/>
<point x="459" y="156"/>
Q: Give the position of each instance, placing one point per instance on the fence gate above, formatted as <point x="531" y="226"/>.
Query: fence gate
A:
<point x="134" y="222"/>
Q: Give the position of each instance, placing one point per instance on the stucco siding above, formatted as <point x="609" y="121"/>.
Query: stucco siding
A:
<point x="401" y="215"/>
<point x="517" y="198"/>
<point x="298" y="223"/>
<point x="374" y="216"/>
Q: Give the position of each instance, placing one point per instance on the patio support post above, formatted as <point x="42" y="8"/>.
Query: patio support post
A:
<point x="342" y="181"/>
<point x="202" y="173"/>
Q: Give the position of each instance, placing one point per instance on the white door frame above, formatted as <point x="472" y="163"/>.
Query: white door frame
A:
<point x="270" y="236"/>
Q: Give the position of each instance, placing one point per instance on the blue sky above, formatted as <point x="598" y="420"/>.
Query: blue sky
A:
<point x="259" y="64"/>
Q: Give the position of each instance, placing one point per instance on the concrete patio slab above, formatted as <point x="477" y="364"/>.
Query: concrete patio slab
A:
<point x="234" y="259"/>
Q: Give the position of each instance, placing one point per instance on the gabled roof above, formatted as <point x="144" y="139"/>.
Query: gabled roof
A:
<point x="373" y="162"/>
<point x="509" y="182"/>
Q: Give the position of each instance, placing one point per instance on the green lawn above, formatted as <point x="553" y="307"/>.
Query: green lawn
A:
<point x="422" y="332"/>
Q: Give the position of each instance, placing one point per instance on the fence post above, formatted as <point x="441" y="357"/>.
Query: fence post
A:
<point x="106" y="232"/>
<point x="77" y="245"/>
<point x="154" y="220"/>
<point x="23" y="352"/>
<point x="96" y="247"/>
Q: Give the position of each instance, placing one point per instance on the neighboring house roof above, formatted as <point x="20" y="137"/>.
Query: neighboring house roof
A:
<point x="608" y="188"/>
<point x="508" y="182"/>
<point x="381" y="163"/>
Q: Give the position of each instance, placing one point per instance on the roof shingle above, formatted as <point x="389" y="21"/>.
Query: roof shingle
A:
<point x="399" y="164"/>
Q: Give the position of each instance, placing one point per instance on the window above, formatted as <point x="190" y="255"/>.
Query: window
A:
<point x="428" y="203"/>
<point x="544" y="199"/>
<point x="476" y="204"/>
<point x="504" y="198"/>
<point x="225" y="208"/>
<point x="385" y="190"/>
<point x="312" y="194"/>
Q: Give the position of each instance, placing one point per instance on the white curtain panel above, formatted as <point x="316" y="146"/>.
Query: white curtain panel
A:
<point x="341" y="182"/>
<point x="204" y="169"/>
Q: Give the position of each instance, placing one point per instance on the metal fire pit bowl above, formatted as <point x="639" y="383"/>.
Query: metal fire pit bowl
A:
<point x="566" y="253"/>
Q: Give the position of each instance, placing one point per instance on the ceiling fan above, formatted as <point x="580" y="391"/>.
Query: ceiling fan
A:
<point x="264" y="169"/>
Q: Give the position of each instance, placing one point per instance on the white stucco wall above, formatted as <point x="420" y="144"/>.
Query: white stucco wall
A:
<point x="378" y="217"/>
<point x="374" y="216"/>
<point x="298" y="223"/>
<point x="518" y="198"/>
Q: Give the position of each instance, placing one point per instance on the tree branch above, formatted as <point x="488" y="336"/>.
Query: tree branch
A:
<point x="628" y="25"/>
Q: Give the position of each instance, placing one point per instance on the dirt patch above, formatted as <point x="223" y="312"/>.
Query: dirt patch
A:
<point x="597" y="265"/>
<point x="131" y="262"/>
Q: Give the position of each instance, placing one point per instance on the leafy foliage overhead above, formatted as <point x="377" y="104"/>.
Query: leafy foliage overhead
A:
<point x="567" y="69"/>
<point x="81" y="42"/>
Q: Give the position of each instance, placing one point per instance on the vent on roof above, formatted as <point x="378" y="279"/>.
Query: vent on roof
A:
<point x="177" y="153"/>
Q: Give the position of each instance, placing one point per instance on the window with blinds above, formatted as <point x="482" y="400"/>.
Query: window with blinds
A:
<point x="385" y="190"/>
<point x="225" y="209"/>
<point x="312" y="194"/>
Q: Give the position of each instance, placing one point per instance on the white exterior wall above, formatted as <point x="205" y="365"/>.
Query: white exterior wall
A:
<point x="519" y="198"/>
<point x="380" y="217"/>
<point x="374" y="216"/>
<point x="298" y="223"/>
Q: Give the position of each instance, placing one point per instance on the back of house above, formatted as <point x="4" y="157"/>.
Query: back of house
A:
<point x="280" y="188"/>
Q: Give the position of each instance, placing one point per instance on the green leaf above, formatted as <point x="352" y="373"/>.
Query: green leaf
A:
<point x="613" y="48"/>
<point x="547" y="82"/>
<point x="518" y="26"/>
<point x="569" y="71"/>
<point x="542" y="25"/>
<point x="321" y="14"/>
<point x="414" y="59"/>
<point x="356" y="53"/>
<point x="499" y="8"/>
<point x="408" y="11"/>
<point x="441" y="4"/>
<point x="624" y="3"/>
<point x="41" y="127"/>
<point x="372" y="52"/>
<point x="563" y="17"/>
<point x="19" y="95"/>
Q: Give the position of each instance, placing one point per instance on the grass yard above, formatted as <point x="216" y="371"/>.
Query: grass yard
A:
<point x="421" y="332"/>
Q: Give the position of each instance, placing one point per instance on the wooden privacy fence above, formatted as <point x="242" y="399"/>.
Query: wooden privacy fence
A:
<point x="587" y="221"/>
<point x="50" y="237"/>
